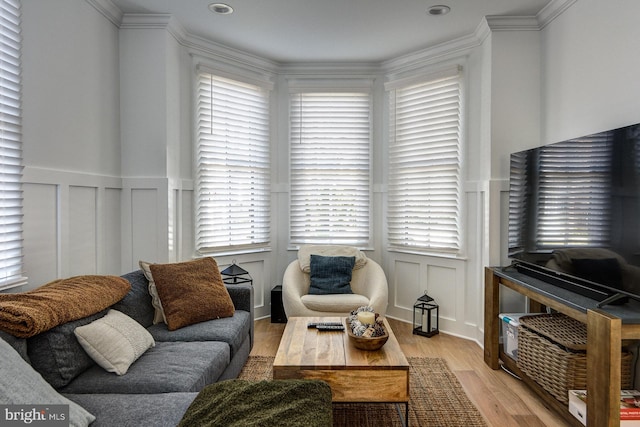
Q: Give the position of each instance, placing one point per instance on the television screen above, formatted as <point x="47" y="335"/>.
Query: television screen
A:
<point x="574" y="208"/>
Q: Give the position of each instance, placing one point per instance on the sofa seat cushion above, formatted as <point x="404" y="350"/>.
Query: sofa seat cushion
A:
<point x="231" y="330"/>
<point x="161" y="409"/>
<point x="335" y="303"/>
<point x="167" y="367"/>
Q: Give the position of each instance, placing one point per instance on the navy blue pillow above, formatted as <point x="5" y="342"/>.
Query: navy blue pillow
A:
<point x="331" y="274"/>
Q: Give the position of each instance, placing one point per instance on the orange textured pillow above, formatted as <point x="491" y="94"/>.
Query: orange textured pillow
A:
<point x="191" y="292"/>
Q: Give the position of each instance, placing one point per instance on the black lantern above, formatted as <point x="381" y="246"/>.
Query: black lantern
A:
<point x="234" y="275"/>
<point x="425" y="316"/>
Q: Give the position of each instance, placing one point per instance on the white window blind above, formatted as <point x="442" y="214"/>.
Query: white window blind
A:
<point x="424" y="165"/>
<point x="233" y="164"/>
<point x="518" y="222"/>
<point x="574" y="207"/>
<point x="330" y="140"/>
<point x="10" y="146"/>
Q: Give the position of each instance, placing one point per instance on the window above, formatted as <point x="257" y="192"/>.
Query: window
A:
<point x="572" y="213"/>
<point x="233" y="163"/>
<point x="330" y="140"/>
<point x="11" y="273"/>
<point x="424" y="164"/>
<point x="520" y="164"/>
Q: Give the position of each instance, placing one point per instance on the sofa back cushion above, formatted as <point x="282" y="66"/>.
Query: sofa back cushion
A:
<point x="58" y="355"/>
<point x="137" y="303"/>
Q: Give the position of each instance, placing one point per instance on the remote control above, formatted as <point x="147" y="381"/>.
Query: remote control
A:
<point x="316" y="324"/>
<point x="330" y="327"/>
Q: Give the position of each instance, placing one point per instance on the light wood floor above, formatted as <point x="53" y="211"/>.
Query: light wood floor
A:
<point x="502" y="399"/>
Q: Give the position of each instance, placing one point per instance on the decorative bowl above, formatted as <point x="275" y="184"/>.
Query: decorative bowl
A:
<point x="364" y="343"/>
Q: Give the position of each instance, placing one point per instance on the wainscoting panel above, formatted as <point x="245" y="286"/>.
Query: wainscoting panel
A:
<point x="72" y="225"/>
<point x="109" y="258"/>
<point x="442" y="285"/>
<point x="40" y="233"/>
<point x="144" y="226"/>
<point x="186" y="224"/>
<point x="410" y="275"/>
<point x="406" y="284"/>
<point x="259" y="269"/>
<point x="83" y="230"/>
<point x="472" y="300"/>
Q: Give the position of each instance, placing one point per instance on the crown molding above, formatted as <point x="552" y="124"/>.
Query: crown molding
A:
<point x="432" y="55"/>
<point x="552" y="10"/>
<point x="195" y="45"/>
<point x="108" y="10"/>
<point x="160" y="21"/>
<point x="215" y="51"/>
<point x="512" y="23"/>
<point x="337" y="69"/>
<point x="404" y="63"/>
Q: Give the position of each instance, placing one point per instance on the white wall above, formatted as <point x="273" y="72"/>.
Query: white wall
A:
<point x="71" y="88"/>
<point x="591" y="68"/>
<point x="71" y="133"/>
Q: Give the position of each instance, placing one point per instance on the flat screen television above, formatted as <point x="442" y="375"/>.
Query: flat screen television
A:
<point x="574" y="214"/>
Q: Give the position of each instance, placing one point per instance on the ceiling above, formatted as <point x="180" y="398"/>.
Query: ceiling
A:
<point x="331" y="30"/>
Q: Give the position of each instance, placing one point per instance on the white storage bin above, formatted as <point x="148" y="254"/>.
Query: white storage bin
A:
<point x="510" y="323"/>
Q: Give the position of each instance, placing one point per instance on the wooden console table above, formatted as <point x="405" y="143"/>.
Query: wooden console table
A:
<point x="606" y="329"/>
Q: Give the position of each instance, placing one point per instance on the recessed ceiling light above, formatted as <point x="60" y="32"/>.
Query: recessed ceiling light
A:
<point x="438" y="10"/>
<point x="220" y="8"/>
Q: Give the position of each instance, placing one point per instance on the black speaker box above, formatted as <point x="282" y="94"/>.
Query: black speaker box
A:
<point x="277" y="309"/>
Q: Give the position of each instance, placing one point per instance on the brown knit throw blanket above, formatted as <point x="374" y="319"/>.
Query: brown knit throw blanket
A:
<point x="29" y="313"/>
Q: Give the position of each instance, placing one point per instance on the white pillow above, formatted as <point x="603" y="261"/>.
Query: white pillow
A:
<point x="114" y="341"/>
<point x="305" y="251"/>
<point x="158" y="316"/>
<point x="20" y="384"/>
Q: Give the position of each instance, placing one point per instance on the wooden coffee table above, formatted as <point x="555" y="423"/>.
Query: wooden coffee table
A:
<point x="355" y="376"/>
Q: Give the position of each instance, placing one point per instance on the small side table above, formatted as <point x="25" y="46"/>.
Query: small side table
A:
<point x="277" y="309"/>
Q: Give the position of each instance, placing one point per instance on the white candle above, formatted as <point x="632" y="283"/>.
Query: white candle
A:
<point x="366" y="317"/>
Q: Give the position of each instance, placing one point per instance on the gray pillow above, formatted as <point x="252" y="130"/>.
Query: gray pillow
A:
<point x="137" y="303"/>
<point x="18" y="344"/>
<point x="21" y="385"/>
<point x="58" y="355"/>
<point x="331" y="274"/>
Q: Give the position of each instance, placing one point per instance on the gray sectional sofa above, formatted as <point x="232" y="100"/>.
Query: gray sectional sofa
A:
<point x="160" y="385"/>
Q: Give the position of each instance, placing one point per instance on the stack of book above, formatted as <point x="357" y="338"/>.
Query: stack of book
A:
<point x="629" y="407"/>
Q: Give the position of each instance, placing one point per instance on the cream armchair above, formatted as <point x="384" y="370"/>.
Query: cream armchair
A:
<point x="368" y="283"/>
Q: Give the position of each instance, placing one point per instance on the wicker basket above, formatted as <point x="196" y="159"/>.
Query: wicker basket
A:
<point x="552" y="352"/>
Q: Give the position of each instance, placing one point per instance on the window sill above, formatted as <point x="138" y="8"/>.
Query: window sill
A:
<point x="14" y="284"/>
<point x="427" y="253"/>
